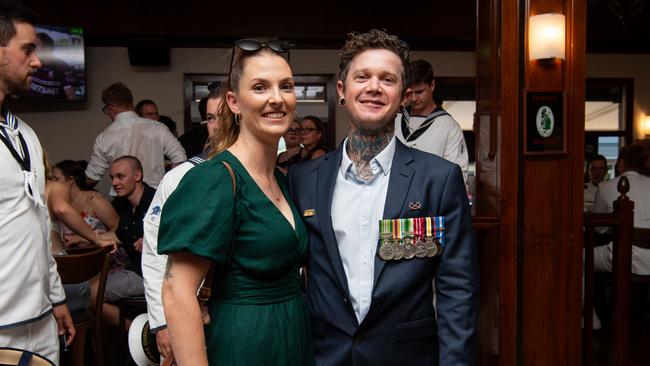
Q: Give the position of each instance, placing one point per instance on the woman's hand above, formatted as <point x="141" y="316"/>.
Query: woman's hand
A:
<point x="108" y="239"/>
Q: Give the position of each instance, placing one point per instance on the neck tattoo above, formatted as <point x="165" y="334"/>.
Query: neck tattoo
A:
<point x="363" y="147"/>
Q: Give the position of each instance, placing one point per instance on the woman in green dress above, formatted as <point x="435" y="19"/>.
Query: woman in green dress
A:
<point x="254" y="237"/>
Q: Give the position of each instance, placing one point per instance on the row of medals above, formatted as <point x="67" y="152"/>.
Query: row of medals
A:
<point x="408" y="248"/>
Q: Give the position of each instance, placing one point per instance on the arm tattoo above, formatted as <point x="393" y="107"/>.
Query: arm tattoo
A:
<point x="168" y="269"/>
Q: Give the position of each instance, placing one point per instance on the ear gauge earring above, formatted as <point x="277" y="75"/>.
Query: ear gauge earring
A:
<point x="342" y="101"/>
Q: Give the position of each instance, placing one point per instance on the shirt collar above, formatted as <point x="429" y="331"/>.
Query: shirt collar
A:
<point x="380" y="163"/>
<point x="125" y="115"/>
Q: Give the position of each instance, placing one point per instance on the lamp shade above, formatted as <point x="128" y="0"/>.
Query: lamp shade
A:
<point x="546" y="36"/>
<point x="646" y="126"/>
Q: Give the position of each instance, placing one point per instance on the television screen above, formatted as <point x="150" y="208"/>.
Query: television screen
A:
<point x="63" y="74"/>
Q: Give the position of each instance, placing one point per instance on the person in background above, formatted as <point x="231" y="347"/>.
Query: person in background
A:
<point x="90" y="206"/>
<point x="632" y="160"/>
<point x="147" y="108"/>
<point x="153" y="264"/>
<point x="194" y="140"/>
<point x="597" y="171"/>
<point x="57" y="198"/>
<point x="129" y="134"/>
<point x="133" y="197"/>
<point x="33" y="312"/>
<point x="371" y="302"/>
<point x="246" y="228"/>
<point x="424" y="125"/>
<point x="312" y="137"/>
<point x="292" y="154"/>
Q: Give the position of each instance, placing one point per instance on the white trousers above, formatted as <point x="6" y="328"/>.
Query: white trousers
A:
<point x="40" y="337"/>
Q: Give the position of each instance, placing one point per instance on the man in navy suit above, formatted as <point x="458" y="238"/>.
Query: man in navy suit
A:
<point x="371" y="301"/>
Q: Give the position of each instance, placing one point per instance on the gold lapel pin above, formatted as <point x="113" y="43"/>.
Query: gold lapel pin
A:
<point x="309" y="213"/>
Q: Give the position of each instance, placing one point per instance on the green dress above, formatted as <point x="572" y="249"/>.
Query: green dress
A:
<point x="258" y="311"/>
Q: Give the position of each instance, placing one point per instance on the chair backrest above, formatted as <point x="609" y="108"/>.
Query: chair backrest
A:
<point x="641" y="238"/>
<point x="76" y="268"/>
<point x="18" y="357"/>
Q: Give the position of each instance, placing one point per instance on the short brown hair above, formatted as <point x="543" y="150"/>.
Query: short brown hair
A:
<point x="372" y="40"/>
<point x="12" y="12"/>
<point x="118" y="94"/>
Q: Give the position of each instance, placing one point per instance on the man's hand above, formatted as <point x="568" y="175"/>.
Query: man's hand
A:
<point x="64" y="322"/>
<point x="164" y="344"/>
<point x="138" y="245"/>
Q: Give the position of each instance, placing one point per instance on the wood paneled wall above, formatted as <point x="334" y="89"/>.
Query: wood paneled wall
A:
<point x="533" y="306"/>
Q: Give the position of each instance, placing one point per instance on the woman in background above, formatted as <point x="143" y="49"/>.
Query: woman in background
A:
<point x="92" y="207"/>
<point x="292" y="142"/>
<point x="312" y="138"/>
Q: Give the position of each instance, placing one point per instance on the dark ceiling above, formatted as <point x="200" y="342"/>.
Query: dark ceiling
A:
<point x="612" y="26"/>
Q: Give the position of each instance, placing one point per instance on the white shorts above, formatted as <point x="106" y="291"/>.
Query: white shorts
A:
<point x="40" y="337"/>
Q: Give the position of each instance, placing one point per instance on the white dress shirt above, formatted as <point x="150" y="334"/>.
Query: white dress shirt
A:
<point x="147" y="140"/>
<point x="357" y="207"/>
<point x="640" y="194"/>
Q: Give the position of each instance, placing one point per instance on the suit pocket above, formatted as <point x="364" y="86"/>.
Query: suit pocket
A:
<point x="417" y="329"/>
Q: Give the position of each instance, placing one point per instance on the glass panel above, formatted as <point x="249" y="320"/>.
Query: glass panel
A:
<point x="609" y="146"/>
<point x="602" y="116"/>
<point x="462" y="111"/>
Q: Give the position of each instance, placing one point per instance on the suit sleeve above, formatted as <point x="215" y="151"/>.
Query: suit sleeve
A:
<point x="457" y="278"/>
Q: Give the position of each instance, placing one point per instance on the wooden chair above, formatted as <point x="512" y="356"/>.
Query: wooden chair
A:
<point x="19" y="357"/>
<point x="641" y="239"/>
<point x="81" y="267"/>
<point x="129" y="308"/>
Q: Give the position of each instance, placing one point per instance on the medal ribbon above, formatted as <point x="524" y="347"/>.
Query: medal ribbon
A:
<point x="419" y="228"/>
<point x="408" y="223"/>
<point x="440" y="224"/>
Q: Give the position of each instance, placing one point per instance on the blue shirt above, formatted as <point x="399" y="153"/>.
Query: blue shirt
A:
<point x="357" y="207"/>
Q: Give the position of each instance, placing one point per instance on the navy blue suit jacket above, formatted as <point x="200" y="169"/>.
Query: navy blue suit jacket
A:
<point x="401" y="327"/>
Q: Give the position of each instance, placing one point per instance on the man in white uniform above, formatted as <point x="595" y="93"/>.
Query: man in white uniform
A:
<point x="153" y="264"/>
<point x="424" y="125"/>
<point x="130" y="134"/>
<point x="632" y="161"/>
<point x="32" y="301"/>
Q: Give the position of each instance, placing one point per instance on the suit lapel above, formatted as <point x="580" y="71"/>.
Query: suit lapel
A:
<point x="325" y="180"/>
<point x="398" y="186"/>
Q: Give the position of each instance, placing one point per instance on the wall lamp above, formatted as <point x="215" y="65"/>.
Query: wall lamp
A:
<point x="546" y="36"/>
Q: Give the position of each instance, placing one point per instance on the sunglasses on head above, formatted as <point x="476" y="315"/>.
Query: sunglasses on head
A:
<point x="252" y="45"/>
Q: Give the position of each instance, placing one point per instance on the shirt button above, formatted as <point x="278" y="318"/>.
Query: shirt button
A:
<point x="364" y="223"/>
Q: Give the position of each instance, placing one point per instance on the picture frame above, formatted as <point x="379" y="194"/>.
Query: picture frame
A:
<point x="545" y="128"/>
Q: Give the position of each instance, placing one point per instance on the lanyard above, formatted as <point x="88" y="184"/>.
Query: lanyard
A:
<point x="25" y="162"/>
<point x="410" y="136"/>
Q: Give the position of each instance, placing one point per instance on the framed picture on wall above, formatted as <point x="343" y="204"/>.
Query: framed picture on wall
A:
<point x="544" y="122"/>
